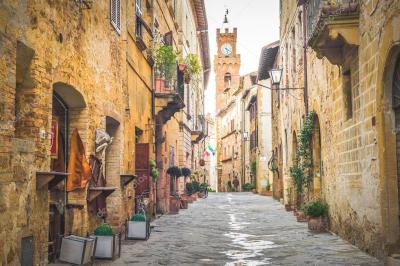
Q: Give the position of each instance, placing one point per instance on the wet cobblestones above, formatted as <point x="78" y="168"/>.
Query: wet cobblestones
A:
<point x="238" y="229"/>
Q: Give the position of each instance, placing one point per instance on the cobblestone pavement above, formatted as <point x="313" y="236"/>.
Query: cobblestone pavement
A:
<point x="238" y="229"/>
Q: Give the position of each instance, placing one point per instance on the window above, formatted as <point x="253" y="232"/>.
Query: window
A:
<point x="227" y="80"/>
<point x="139" y="14"/>
<point x="347" y="94"/>
<point x="115" y="10"/>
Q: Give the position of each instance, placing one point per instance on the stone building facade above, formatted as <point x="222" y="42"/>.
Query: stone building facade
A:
<point x="351" y="65"/>
<point x="58" y="75"/>
<point x="79" y="68"/>
<point x="179" y="112"/>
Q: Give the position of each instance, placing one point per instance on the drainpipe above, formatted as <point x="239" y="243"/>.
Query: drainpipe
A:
<point x="305" y="59"/>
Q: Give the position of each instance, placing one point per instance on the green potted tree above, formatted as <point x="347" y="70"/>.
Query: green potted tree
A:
<point x="174" y="204"/>
<point x="193" y="67"/>
<point x="165" y="66"/>
<point x="138" y="227"/>
<point x="108" y="244"/>
<point x="186" y="172"/>
<point x="316" y="212"/>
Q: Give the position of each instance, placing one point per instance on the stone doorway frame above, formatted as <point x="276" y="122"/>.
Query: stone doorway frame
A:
<point x="386" y="138"/>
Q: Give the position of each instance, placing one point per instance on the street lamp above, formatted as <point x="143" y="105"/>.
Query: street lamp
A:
<point x="276" y="76"/>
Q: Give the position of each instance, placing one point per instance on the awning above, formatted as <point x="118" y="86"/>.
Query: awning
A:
<point x="267" y="60"/>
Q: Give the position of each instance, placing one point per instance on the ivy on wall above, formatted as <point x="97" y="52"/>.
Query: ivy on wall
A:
<point x="301" y="171"/>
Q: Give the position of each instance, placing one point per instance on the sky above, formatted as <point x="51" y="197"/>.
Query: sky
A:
<point x="258" y="25"/>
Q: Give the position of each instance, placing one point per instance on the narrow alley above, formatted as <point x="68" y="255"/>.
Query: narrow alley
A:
<point x="238" y="229"/>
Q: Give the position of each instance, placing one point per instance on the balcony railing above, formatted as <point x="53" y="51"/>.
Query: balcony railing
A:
<point x="323" y="12"/>
<point x="173" y="83"/>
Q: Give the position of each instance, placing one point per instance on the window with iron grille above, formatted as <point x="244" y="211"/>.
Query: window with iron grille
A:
<point x="139" y="14"/>
<point x="115" y="14"/>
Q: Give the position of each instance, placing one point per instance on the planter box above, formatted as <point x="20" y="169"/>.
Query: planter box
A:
<point x="77" y="250"/>
<point x="174" y="205"/>
<point x="317" y="224"/>
<point x="107" y="247"/>
<point x="138" y="230"/>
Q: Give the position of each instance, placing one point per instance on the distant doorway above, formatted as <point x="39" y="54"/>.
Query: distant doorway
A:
<point x="396" y="110"/>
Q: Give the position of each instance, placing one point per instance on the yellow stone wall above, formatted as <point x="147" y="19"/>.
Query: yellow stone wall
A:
<point x="79" y="48"/>
<point x="358" y="175"/>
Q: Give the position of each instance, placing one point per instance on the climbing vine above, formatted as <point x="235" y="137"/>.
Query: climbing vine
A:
<point x="301" y="171"/>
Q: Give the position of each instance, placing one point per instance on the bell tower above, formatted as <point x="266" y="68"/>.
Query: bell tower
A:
<point x="226" y="65"/>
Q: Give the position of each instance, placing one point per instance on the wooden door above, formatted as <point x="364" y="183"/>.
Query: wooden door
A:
<point x="396" y="108"/>
<point x="142" y="168"/>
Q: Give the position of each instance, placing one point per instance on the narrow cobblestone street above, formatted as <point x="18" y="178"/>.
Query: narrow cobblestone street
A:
<point x="238" y="229"/>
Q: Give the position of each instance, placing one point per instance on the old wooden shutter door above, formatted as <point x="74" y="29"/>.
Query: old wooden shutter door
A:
<point x="142" y="168"/>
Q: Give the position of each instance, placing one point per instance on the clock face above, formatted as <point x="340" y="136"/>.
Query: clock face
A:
<point x="226" y="49"/>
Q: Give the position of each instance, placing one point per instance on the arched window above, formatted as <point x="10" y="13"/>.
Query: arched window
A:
<point x="227" y="80"/>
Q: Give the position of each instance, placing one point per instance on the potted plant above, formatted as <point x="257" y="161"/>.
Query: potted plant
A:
<point x="154" y="170"/>
<point x="108" y="244"/>
<point x="316" y="212"/>
<point x="193" y="67"/>
<point x="165" y="66"/>
<point x="181" y="63"/>
<point x="247" y="187"/>
<point x="77" y="250"/>
<point x="138" y="227"/>
<point x="174" y="202"/>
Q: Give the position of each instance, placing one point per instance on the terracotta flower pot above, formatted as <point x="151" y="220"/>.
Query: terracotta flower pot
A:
<point x="160" y="85"/>
<point x="317" y="224"/>
<point x="182" y="67"/>
<point x="174" y="204"/>
<point x="301" y="217"/>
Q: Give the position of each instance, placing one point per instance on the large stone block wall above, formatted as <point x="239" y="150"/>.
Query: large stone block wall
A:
<point x="355" y="173"/>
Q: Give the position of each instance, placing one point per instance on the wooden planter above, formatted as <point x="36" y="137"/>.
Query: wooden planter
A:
<point x="138" y="230"/>
<point x="77" y="250"/>
<point x="174" y="204"/>
<point x="317" y="224"/>
<point x="107" y="247"/>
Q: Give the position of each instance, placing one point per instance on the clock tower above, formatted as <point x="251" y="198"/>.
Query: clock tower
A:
<point x="226" y="66"/>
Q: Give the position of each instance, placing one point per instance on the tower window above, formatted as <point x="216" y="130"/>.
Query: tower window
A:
<point x="227" y="80"/>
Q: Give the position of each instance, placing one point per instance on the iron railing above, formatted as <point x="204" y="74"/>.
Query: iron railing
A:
<point x="321" y="12"/>
<point x="171" y="83"/>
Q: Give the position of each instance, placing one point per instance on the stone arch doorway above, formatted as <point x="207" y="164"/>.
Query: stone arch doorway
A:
<point x="68" y="107"/>
<point x="316" y="159"/>
<point x="388" y="124"/>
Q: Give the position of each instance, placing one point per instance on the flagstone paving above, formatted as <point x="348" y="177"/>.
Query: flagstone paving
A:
<point x="238" y="229"/>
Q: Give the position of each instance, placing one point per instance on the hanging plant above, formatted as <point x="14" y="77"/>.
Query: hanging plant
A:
<point x="193" y="67"/>
<point x="154" y="170"/>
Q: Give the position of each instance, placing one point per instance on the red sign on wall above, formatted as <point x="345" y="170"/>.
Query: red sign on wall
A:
<point x="54" y="139"/>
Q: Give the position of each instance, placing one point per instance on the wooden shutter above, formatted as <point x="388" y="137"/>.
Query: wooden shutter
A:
<point x="115" y="14"/>
<point x="142" y="168"/>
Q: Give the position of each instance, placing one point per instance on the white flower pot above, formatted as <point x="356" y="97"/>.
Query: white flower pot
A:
<point x="107" y="247"/>
<point x="77" y="250"/>
<point x="138" y="230"/>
